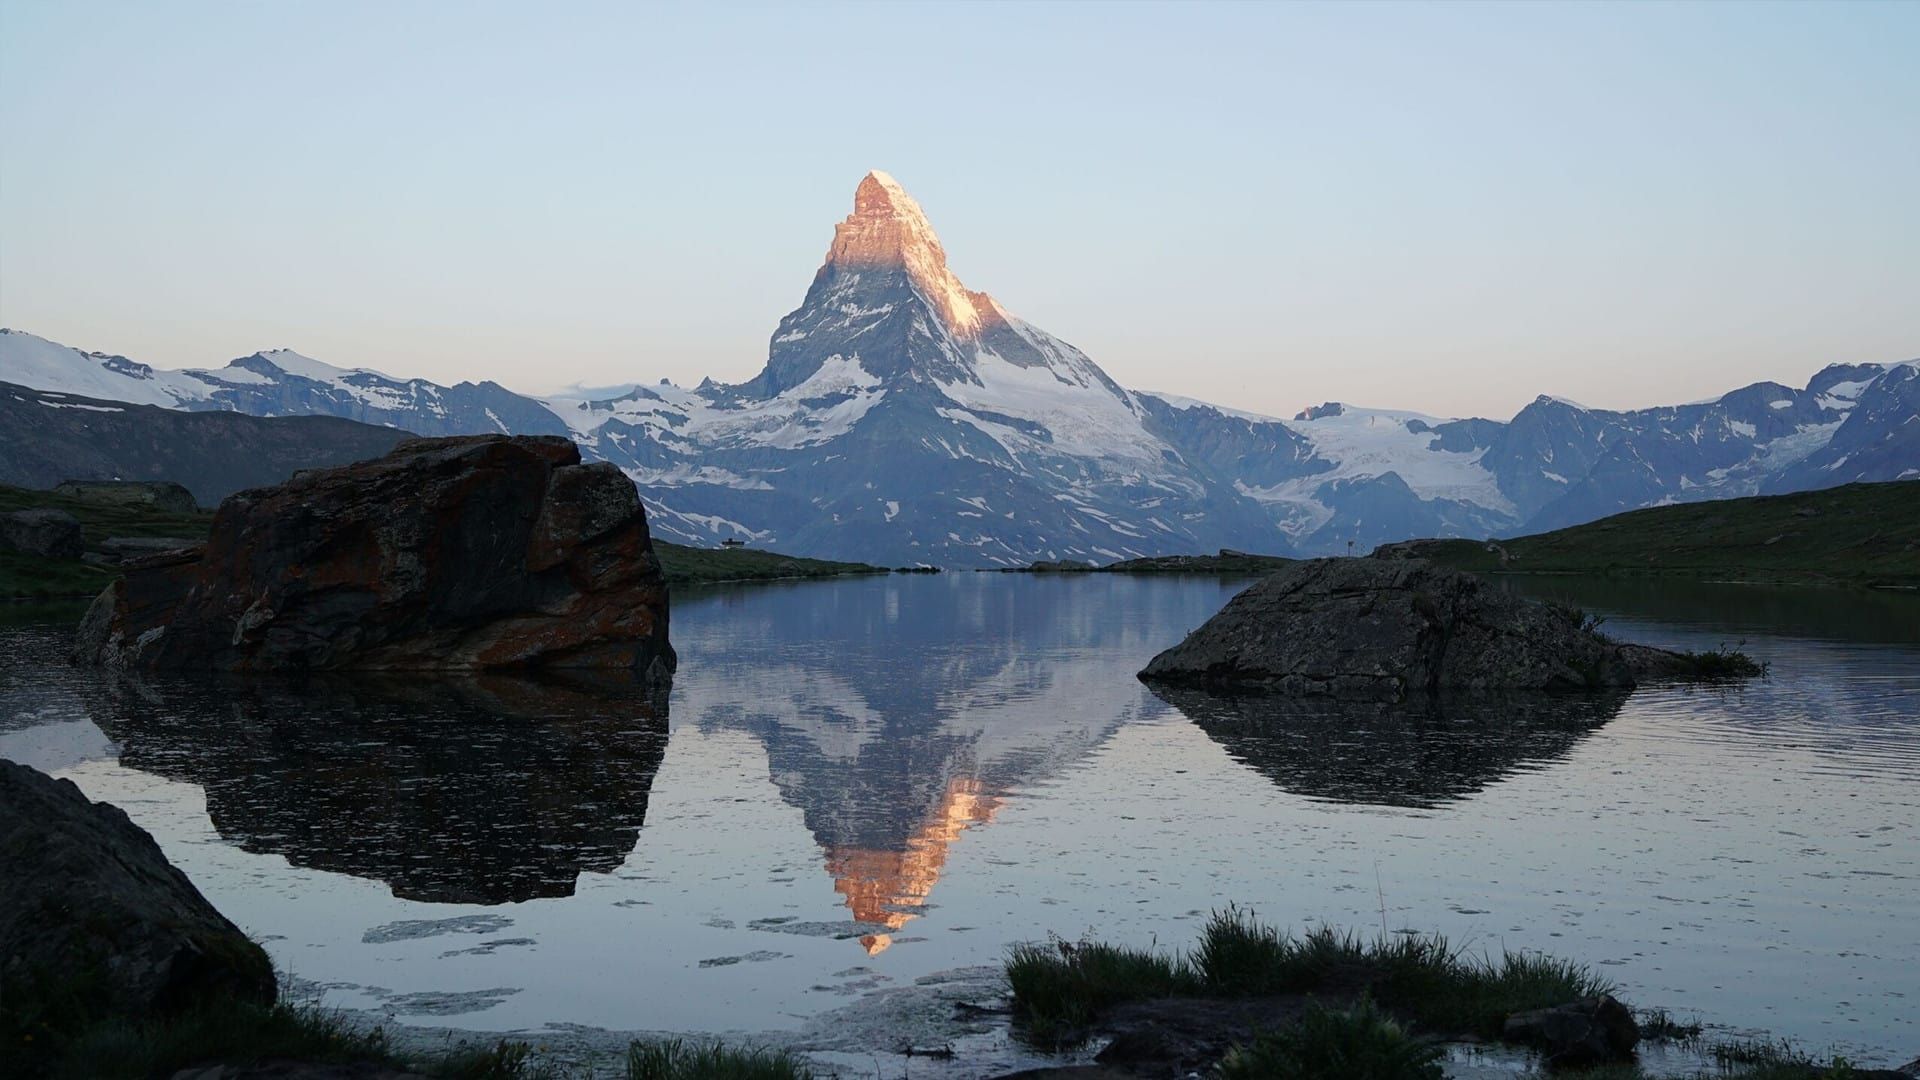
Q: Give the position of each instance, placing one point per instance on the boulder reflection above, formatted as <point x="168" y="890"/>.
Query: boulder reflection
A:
<point x="1420" y="754"/>
<point x="482" y="790"/>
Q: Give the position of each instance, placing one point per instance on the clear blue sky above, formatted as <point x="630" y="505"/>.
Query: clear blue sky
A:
<point x="1446" y="207"/>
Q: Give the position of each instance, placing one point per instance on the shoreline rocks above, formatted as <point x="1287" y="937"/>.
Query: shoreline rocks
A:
<point x="1385" y="628"/>
<point x="89" y="904"/>
<point x="456" y="554"/>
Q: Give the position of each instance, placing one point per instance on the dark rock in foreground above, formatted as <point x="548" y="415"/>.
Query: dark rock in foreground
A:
<point x="467" y="553"/>
<point x="1385" y="628"/>
<point x="49" y="534"/>
<point x="88" y="904"/>
<point x="1585" y="1032"/>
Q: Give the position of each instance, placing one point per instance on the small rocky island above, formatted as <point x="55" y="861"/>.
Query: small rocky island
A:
<point x="459" y="554"/>
<point x="1388" y="627"/>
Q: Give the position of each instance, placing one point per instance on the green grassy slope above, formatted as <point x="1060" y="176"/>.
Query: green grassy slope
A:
<point x="1859" y="534"/>
<point x="690" y="565"/>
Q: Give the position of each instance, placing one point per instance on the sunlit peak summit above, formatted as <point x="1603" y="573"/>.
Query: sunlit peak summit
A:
<point x="888" y="229"/>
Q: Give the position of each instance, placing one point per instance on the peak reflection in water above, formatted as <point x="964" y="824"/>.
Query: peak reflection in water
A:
<point x="1418" y="754"/>
<point x="897" y="713"/>
<point x="479" y="790"/>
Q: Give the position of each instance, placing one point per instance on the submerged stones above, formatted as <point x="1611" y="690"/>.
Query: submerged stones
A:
<point x="90" y="908"/>
<point x="467" y="553"/>
<point x="1387" y="628"/>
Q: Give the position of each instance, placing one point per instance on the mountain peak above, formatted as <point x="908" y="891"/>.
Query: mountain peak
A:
<point x="888" y="230"/>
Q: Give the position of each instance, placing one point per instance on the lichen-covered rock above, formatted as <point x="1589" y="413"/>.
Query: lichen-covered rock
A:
<point x="49" y="534"/>
<point x="468" y="553"/>
<point x="89" y="906"/>
<point x="1385" y="628"/>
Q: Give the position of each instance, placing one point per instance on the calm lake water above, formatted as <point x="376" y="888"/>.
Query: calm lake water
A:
<point x="866" y="789"/>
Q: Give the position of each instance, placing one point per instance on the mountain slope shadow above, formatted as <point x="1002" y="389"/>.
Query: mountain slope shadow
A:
<point x="1419" y="754"/>
<point x="481" y="791"/>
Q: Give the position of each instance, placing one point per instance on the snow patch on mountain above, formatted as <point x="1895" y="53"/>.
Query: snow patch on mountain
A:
<point x="31" y="360"/>
<point x="1081" y="416"/>
<point x="1365" y="443"/>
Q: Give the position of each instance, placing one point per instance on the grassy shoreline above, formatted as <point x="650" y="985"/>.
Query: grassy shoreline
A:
<point x="1351" y="1008"/>
<point x="1862" y="535"/>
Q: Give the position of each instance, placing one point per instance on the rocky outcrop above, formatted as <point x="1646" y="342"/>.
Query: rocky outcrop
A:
<point x="1586" y="1032"/>
<point x="1386" y="628"/>
<point x="90" y="906"/>
<point x="49" y="534"/>
<point x="152" y="494"/>
<point x="468" y="553"/>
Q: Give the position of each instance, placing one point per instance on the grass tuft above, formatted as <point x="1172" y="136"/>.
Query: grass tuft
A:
<point x="1059" y="987"/>
<point x="230" y="1033"/>
<point x="1659" y="1025"/>
<point x="676" y="1059"/>
<point x="1722" y="663"/>
<point x="1360" y="1043"/>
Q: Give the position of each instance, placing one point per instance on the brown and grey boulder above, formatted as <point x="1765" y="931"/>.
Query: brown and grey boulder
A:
<point x="89" y="905"/>
<point x="50" y="534"/>
<point x="1585" y="1032"/>
<point x="468" y="553"/>
<point x="1385" y="628"/>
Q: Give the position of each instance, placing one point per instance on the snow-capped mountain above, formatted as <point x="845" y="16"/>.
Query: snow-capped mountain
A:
<point x="279" y="382"/>
<point x="904" y="418"/>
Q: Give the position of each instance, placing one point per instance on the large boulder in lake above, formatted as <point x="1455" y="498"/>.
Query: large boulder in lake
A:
<point x="90" y="908"/>
<point x="468" y="553"/>
<point x="1385" y="628"/>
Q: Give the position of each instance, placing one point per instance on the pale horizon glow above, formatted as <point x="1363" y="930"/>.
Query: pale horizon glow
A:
<point x="1443" y="208"/>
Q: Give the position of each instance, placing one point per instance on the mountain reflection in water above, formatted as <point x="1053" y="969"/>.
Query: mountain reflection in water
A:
<point x="479" y="790"/>
<point x="897" y="714"/>
<point x="1420" y="753"/>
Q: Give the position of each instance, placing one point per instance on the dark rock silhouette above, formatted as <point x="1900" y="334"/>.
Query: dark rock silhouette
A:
<point x="1384" y="628"/>
<point x="467" y="553"/>
<point x="88" y="904"/>
<point x="1588" y="1031"/>
<point x="483" y="790"/>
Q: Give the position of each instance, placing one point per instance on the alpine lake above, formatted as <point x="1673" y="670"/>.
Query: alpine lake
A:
<point x="863" y="790"/>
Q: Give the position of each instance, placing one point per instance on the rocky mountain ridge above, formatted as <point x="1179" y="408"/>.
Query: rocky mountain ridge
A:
<point x="903" y="418"/>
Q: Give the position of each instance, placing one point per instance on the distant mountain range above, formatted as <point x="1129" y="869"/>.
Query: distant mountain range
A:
<point x="903" y="418"/>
